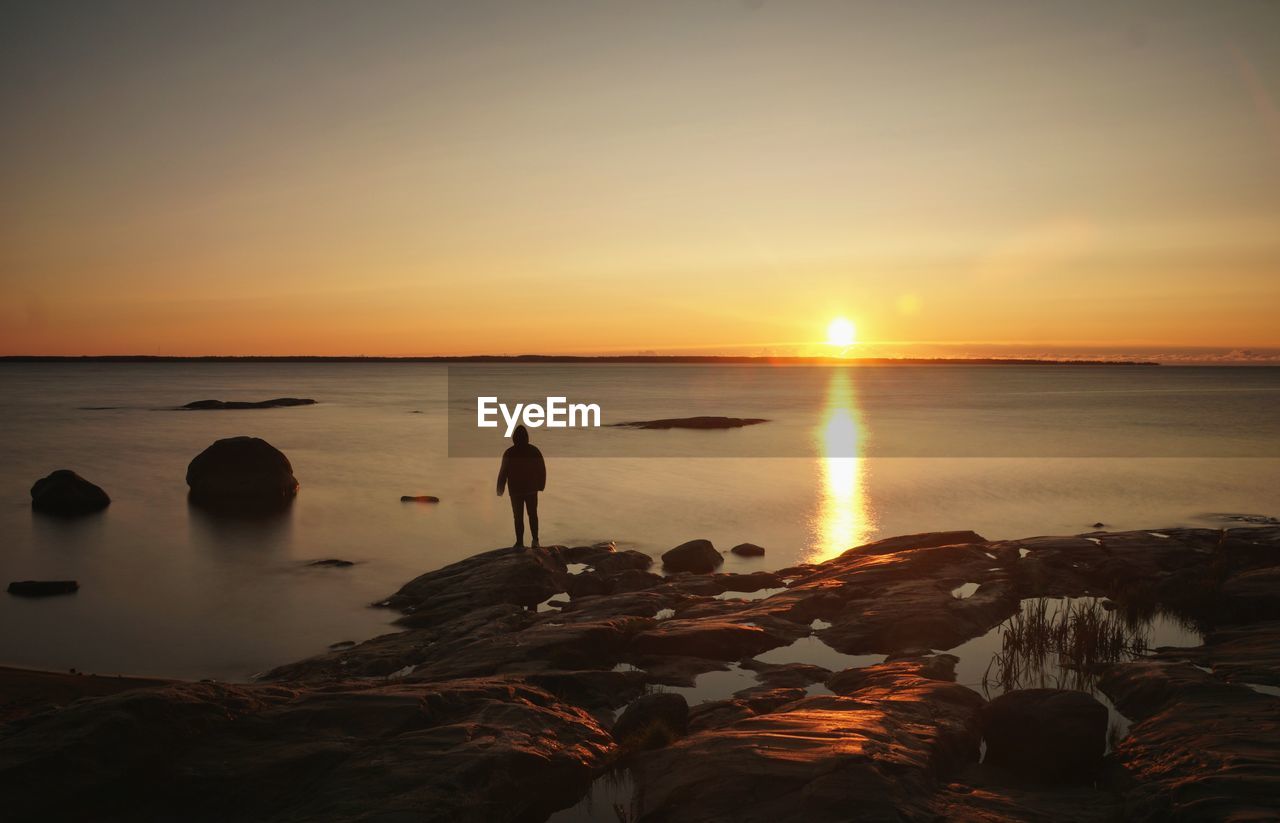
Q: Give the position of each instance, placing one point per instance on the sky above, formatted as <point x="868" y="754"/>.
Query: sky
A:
<point x="1011" y="178"/>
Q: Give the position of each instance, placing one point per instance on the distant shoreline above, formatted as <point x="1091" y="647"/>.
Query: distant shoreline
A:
<point x="556" y="358"/>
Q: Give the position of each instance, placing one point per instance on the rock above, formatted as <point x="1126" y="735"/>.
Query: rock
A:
<point x="481" y="749"/>
<point x="1251" y="596"/>
<point x="707" y="638"/>
<point x="43" y="588"/>
<point x="66" y="493"/>
<point x="931" y="667"/>
<point x="332" y="562"/>
<point x="748" y="550"/>
<point x="817" y="759"/>
<point x="1052" y="736"/>
<point x="1099" y="525"/>
<point x="612" y="562"/>
<point x="242" y="470"/>
<point x="1199" y="748"/>
<point x="522" y="578"/>
<point x="421" y="498"/>
<point x="279" y="402"/>
<point x="653" y="721"/>
<point x="693" y="423"/>
<point x="927" y="540"/>
<point x="697" y="556"/>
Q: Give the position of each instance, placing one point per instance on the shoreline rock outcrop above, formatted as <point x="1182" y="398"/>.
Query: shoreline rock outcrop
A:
<point x="498" y="699"/>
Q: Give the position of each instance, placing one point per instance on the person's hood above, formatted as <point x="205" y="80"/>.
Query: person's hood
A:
<point x="520" y="436"/>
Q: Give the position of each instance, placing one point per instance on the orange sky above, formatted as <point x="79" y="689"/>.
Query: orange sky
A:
<point x="670" y="177"/>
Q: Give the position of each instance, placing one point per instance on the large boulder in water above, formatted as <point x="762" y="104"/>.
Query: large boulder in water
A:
<point x="1046" y="735"/>
<point x="242" y="470"/>
<point x="697" y="556"/>
<point x="65" y="492"/>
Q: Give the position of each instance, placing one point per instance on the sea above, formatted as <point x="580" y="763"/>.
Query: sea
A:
<point x="848" y="454"/>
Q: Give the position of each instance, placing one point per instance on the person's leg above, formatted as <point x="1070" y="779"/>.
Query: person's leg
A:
<point x="531" y="503"/>
<point x="517" y="511"/>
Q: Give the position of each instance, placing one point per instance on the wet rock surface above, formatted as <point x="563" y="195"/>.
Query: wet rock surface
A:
<point x="496" y="699"/>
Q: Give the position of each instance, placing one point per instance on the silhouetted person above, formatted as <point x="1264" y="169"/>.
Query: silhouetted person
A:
<point x="523" y="474"/>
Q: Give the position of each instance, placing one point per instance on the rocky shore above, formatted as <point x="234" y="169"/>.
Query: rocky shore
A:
<point x="523" y="679"/>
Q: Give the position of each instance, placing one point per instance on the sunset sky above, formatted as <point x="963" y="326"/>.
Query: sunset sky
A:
<point x="613" y="177"/>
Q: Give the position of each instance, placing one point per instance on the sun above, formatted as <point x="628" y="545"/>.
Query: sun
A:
<point x="841" y="333"/>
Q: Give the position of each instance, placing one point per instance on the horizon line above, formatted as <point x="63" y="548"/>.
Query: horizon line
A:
<point x="571" y="358"/>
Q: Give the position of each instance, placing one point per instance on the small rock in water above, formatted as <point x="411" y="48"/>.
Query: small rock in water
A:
<point x="67" y="493"/>
<point x="1099" y="525"/>
<point x="697" y="556"/>
<point x="748" y="550"/>
<point x="420" y="498"/>
<point x="43" y="588"/>
<point x="332" y="562"/>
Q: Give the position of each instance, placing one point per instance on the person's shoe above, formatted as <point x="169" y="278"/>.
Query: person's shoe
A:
<point x="518" y="546"/>
<point x="537" y="545"/>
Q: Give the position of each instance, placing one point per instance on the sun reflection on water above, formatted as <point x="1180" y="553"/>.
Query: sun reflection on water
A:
<point x="844" y="518"/>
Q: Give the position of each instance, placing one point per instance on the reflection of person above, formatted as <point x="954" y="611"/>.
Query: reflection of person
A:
<point x="523" y="474"/>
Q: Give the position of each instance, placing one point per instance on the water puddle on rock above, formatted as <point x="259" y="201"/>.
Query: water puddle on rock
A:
<point x="1058" y="643"/>
<point x="812" y="650"/>
<point x="610" y="798"/>
<point x="716" y="685"/>
<point x="760" y="594"/>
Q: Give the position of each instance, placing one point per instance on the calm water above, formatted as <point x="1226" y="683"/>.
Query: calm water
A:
<point x="168" y="591"/>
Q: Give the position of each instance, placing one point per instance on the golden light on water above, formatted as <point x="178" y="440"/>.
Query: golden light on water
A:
<point x="844" y="518"/>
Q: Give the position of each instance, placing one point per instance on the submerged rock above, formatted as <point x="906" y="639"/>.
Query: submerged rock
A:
<point x="66" y="493"/>
<point x="43" y="588"/>
<point x="332" y="562"/>
<point x="1047" y="735"/>
<point x="240" y="471"/>
<point x="697" y="556"/>
<point x="747" y="550"/>
<point x="420" y="498"/>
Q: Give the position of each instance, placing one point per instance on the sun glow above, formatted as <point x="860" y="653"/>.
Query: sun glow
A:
<point x="841" y="333"/>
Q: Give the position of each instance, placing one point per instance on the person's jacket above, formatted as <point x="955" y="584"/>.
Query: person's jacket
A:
<point x="523" y="470"/>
